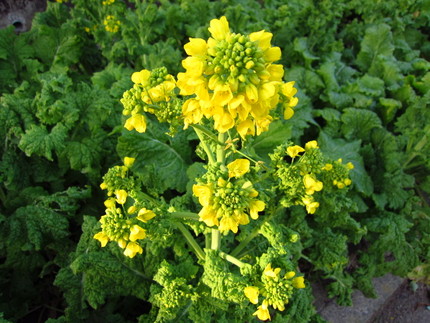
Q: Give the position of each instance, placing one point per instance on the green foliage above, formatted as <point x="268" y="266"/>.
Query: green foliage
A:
<point x="362" y="71"/>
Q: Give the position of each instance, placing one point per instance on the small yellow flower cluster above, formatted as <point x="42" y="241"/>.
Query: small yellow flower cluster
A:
<point x="339" y="173"/>
<point x="111" y="24"/>
<point x="152" y="92"/>
<point x="122" y="229"/>
<point x="299" y="180"/>
<point x="107" y="2"/>
<point x="228" y="203"/>
<point x="275" y="289"/>
<point x="233" y="80"/>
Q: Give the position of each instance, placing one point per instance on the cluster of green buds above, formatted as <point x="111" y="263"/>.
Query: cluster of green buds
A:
<point x="228" y="202"/>
<point x="274" y="289"/>
<point x="116" y="180"/>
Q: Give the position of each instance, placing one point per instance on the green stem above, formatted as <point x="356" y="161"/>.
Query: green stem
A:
<point x="220" y="151"/>
<point x="253" y="234"/>
<point x="216" y="239"/>
<point x="204" y="144"/>
<point x="185" y="215"/>
<point x="191" y="241"/>
<point x="232" y="259"/>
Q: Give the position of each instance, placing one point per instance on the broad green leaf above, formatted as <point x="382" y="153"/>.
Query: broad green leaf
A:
<point x="377" y="41"/>
<point x="37" y="140"/>
<point x="358" y="123"/>
<point x="155" y="155"/>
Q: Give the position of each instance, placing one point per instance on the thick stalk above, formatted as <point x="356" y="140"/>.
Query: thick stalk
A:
<point x="191" y="241"/>
<point x="216" y="239"/>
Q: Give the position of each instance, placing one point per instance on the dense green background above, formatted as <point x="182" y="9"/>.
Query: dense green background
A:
<point x="363" y="73"/>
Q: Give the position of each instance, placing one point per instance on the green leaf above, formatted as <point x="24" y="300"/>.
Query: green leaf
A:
<point x="37" y="140"/>
<point x="358" y="123"/>
<point x="377" y="41"/>
<point x="157" y="156"/>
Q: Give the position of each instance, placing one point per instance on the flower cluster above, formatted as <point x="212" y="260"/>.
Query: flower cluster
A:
<point x="153" y="92"/>
<point x="125" y="230"/>
<point x="116" y="181"/>
<point x="111" y="24"/>
<point x="228" y="203"/>
<point x="298" y="180"/>
<point x="107" y="2"/>
<point x="339" y="173"/>
<point x="233" y="80"/>
<point x="275" y="289"/>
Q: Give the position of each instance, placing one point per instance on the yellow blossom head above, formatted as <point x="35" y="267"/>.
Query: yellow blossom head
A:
<point x="263" y="312"/>
<point x="252" y="293"/>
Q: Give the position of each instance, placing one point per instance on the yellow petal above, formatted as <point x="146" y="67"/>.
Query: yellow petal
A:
<point x="132" y="249"/>
<point x="263" y="38"/>
<point x="137" y="122"/>
<point x="299" y="282"/>
<point x="272" y="54"/>
<point x="255" y="207"/>
<point x="238" y="167"/>
<point x="219" y="28"/>
<point x="288" y="113"/>
<point x="145" y="215"/>
<point x="263" y="312"/>
<point x="294" y="151"/>
<point x="311" y="145"/>
<point x="102" y="237"/>
<point x="121" y="196"/>
<point x="196" y="46"/>
<point x="252" y="293"/>
<point x="129" y="161"/>
<point x="245" y="128"/>
<point x="141" y="77"/>
<point x="136" y="232"/>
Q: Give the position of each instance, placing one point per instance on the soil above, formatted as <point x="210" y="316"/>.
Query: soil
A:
<point x="410" y="303"/>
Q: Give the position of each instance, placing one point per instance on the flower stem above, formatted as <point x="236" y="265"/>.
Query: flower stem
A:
<point x="191" y="241"/>
<point x="216" y="239"/>
<point x="201" y="134"/>
<point x="220" y="151"/>
<point x="232" y="259"/>
<point x="185" y="215"/>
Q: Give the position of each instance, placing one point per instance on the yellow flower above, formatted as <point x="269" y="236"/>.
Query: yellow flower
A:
<point x="263" y="312"/>
<point x="103" y="186"/>
<point x="311" y="205"/>
<point x="311" y="145"/>
<point x="238" y="168"/>
<point x="350" y="165"/>
<point x="233" y="80"/>
<point x="102" y="237"/>
<point x="270" y="272"/>
<point x="132" y="249"/>
<point x="252" y="293"/>
<point x="129" y="161"/>
<point x="294" y="151"/>
<point x="137" y="122"/>
<point x="328" y="167"/>
<point x="347" y="181"/>
<point x="110" y="203"/>
<point x="145" y="215"/>
<point x="219" y="28"/>
<point x="132" y="209"/>
<point x="136" y="232"/>
<point x="121" y="196"/>
<point x="311" y="184"/>
<point x="298" y="282"/>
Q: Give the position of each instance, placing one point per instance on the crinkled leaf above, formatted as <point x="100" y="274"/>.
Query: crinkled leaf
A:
<point x="37" y="140"/>
<point x="358" y="123"/>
